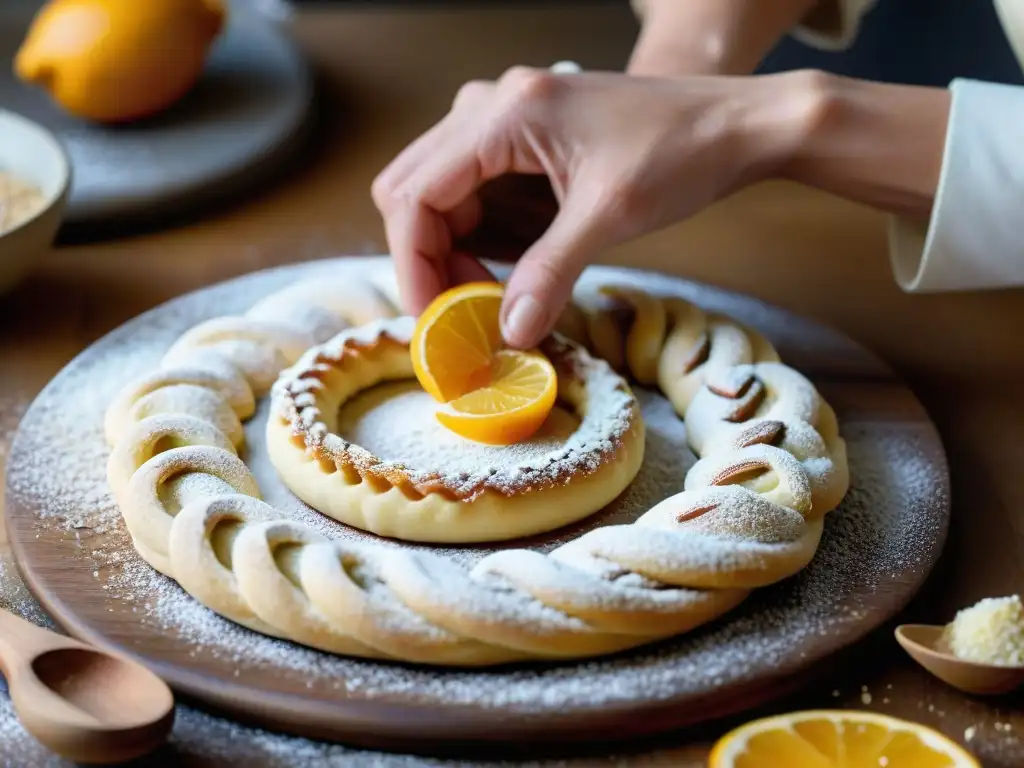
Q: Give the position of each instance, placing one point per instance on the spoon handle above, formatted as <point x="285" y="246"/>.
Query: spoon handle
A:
<point x="21" y="641"/>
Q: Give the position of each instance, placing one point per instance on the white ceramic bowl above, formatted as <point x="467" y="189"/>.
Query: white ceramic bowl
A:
<point x="33" y="154"/>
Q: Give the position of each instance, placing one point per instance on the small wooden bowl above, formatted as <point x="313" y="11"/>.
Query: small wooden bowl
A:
<point x="921" y="641"/>
<point x="32" y="153"/>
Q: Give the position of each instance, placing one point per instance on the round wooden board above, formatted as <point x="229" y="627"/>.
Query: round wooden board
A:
<point x="877" y="550"/>
<point x="241" y="121"/>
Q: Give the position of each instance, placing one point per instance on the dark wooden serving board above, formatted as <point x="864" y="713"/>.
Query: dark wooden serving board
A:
<point x="878" y="548"/>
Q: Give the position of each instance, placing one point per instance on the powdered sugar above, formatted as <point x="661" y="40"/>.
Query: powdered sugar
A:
<point x="894" y="517"/>
<point x="370" y="420"/>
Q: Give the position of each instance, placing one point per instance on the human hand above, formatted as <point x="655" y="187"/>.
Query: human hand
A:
<point x="624" y="155"/>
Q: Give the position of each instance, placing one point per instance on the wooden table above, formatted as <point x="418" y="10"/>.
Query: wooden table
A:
<point x="388" y="74"/>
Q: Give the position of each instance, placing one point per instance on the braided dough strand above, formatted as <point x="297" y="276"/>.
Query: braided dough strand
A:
<point x="771" y="465"/>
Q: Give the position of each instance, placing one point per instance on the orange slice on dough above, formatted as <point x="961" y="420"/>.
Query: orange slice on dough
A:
<point x="512" y="407"/>
<point x="455" y="339"/>
<point x="491" y="395"/>
<point x="837" y="739"/>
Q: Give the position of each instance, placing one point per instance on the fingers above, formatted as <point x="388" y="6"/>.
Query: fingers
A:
<point x="425" y="213"/>
<point x="428" y="200"/>
<point x="466" y="268"/>
<point x="541" y="284"/>
<point x="418" y="237"/>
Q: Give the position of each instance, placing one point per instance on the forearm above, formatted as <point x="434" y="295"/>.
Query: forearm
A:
<point x="698" y="37"/>
<point x="877" y="144"/>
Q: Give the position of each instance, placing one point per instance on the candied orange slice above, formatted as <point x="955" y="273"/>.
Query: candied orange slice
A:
<point x="491" y="395"/>
<point x="512" y="407"/>
<point x="837" y="739"/>
<point x="455" y="339"/>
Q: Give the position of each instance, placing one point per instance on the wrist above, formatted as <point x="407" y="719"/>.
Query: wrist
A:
<point x="875" y="143"/>
<point x="661" y="51"/>
<point x="778" y="115"/>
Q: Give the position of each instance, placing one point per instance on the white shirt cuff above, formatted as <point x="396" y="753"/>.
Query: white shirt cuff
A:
<point x="973" y="239"/>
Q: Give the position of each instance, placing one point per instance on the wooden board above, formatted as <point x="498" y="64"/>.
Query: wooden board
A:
<point x="878" y="548"/>
<point x="241" y="121"/>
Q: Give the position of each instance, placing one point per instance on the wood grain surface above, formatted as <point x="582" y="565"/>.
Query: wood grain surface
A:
<point x="387" y="77"/>
<point x="852" y="587"/>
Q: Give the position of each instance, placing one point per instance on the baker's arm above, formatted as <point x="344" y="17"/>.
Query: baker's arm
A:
<point x="972" y="237"/>
<point x="731" y="37"/>
<point x="947" y="164"/>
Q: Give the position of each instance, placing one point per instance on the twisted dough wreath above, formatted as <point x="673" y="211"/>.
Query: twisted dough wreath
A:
<point x="771" y="465"/>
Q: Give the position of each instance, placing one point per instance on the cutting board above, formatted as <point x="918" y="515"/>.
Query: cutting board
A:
<point x="877" y="550"/>
<point x="239" y="123"/>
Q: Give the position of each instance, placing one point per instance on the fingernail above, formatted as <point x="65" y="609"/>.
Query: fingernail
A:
<point x="524" y="321"/>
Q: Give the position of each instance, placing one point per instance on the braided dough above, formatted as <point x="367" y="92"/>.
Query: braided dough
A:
<point x="772" y="465"/>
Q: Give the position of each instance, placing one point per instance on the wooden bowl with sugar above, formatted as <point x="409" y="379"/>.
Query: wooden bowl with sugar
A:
<point x="35" y="177"/>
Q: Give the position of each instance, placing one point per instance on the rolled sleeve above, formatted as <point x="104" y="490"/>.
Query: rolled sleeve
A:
<point x="974" y="238"/>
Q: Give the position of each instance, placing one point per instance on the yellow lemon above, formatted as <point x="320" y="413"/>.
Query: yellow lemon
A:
<point x="114" y="61"/>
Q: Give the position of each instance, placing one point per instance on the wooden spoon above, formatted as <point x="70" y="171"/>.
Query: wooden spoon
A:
<point x="84" y="704"/>
<point x="921" y="641"/>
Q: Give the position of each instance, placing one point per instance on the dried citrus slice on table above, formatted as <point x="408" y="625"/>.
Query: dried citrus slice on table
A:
<point x="837" y="739"/>
<point x="491" y="395"/>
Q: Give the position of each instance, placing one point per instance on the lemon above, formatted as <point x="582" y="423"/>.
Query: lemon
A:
<point x="116" y="61"/>
<point x="837" y="739"/>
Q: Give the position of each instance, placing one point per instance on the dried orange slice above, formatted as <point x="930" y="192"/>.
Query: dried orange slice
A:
<point x="521" y="393"/>
<point x="491" y="395"/>
<point x="837" y="739"/>
<point x="455" y="339"/>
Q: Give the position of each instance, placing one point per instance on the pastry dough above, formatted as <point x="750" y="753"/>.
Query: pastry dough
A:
<point x="772" y="465"/>
<point x="347" y="482"/>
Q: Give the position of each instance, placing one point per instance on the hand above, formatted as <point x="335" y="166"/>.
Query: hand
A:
<point x="516" y="209"/>
<point x="624" y="156"/>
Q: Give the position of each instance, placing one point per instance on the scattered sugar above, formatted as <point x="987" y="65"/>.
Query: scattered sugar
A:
<point x="200" y="739"/>
<point x="15" y="597"/>
<point x="891" y="520"/>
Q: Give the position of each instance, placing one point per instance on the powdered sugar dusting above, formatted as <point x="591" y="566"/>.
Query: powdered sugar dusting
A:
<point x="370" y="420"/>
<point x="893" y="518"/>
<point x="600" y="399"/>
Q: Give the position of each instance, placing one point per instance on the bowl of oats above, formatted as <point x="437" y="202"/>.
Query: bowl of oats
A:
<point x="35" y="176"/>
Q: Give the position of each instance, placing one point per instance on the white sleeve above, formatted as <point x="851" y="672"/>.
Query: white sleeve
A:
<point x="833" y="24"/>
<point x="973" y="239"/>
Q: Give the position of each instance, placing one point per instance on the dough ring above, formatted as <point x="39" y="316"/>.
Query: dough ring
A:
<point x="772" y="465"/>
<point x="490" y="503"/>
